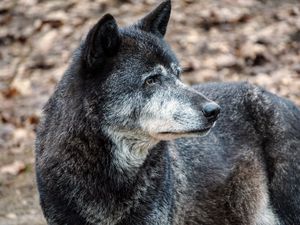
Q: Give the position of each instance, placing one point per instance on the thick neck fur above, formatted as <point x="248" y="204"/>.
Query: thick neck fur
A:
<point x="113" y="175"/>
<point x="117" y="157"/>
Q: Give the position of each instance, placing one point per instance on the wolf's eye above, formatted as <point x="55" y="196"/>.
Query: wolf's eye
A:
<point x="152" y="80"/>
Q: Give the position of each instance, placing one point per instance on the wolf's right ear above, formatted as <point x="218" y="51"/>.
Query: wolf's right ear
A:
<point x="102" y="41"/>
<point x="156" y="22"/>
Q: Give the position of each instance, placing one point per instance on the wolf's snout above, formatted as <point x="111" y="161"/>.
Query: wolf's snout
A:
<point x="211" y="111"/>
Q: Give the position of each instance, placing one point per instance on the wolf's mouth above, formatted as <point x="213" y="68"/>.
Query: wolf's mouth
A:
<point x="170" y="134"/>
<point x="198" y="131"/>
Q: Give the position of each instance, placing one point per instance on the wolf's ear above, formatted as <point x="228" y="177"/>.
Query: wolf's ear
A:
<point x="156" y="21"/>
<point x="102" y="41"/>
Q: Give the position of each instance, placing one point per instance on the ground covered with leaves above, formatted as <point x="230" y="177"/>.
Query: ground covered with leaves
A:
<point x="228" y="40"/>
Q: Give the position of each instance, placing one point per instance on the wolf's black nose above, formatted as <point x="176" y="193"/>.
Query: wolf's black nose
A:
<point x="211" y="111"/>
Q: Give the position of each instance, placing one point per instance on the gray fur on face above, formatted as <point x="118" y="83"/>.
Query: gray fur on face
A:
<point x="166" y="116"/>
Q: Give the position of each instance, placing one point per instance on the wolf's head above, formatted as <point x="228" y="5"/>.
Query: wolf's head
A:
<point x="132" y="81"/>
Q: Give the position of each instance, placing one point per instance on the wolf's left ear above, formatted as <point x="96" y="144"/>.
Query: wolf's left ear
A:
<point x="102" y="41"/>
<point x="156" y="21"/>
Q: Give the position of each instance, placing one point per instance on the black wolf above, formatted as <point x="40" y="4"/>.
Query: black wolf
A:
<point x="121" y="140"/>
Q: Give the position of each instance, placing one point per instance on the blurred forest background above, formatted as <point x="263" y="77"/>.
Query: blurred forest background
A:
<point x="225" y="40"/>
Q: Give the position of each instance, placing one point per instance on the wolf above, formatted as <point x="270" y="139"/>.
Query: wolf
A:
<point x="124" y="142"/>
